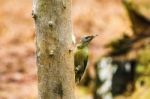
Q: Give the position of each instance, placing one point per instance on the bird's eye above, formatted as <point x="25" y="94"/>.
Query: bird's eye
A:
<point x="86" y="37"/>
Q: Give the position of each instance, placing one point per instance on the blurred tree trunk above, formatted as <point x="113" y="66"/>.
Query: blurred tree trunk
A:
<point x="53" y="43"/>
<point x="139" y="16"/>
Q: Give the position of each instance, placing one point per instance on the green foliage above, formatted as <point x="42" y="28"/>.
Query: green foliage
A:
<point x="142" y="88"/>
<point x="143" y="65"/>
<point x="142" y="84"/>
<point x="144" y="56"/>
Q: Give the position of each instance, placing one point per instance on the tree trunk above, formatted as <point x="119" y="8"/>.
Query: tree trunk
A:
<point x="53" y="43"/>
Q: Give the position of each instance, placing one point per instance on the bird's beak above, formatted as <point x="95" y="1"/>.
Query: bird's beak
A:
<point x="95" y="35"/>
<point x="92" y="36"/>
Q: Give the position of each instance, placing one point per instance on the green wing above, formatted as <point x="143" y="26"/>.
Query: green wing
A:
<point x="81" y="58"/>
<point x="80" y="62"/>
<point x="85" y="62"/>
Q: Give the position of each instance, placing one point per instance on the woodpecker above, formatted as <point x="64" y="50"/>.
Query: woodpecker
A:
<point x="81" y="56"/>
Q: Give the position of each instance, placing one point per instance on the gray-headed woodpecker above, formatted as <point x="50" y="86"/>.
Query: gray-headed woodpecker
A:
<point x="81" y="56"/>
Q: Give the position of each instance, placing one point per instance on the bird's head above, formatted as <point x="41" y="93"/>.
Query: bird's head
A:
<point x="85" y="40"/>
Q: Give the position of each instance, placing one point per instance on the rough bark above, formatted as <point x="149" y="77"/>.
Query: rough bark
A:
<point x="53" y="43"/>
